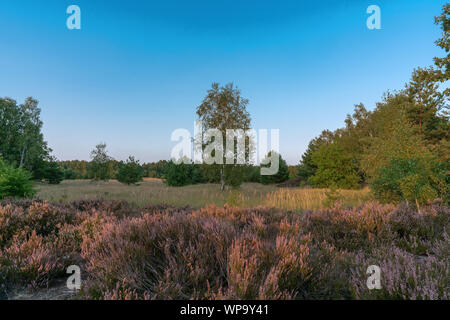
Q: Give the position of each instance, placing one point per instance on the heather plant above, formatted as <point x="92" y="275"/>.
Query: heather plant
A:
<point x="350" y="228"/>
<point x="31" y="262"/>
<point x="173" y="256"/>
<point x="168" y="252"/>
<point x="403" y="275"/>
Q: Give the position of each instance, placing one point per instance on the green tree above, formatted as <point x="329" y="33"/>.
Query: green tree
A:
<point x="130" y="172"/>
<point x="335" y="168"/>
<point x="223" y="108"/>
<point x="283" y="170"/>
<point x="427" y="103"/>
<point x="99" y="166"/>
<point x="307" y="168"/>
<point x="395" y="138"/>
<point x="155" y="169"/>
<point x="49" y="171"/>
<point x="21" y="140"/>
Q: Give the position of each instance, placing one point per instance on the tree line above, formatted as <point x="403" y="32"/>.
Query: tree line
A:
<point x="103" y="167"/>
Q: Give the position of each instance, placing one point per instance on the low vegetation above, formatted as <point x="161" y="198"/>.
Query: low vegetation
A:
<point x="167" y="252"/>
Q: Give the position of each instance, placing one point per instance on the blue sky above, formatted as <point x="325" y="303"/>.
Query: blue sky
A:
<point x="137" y="70"/>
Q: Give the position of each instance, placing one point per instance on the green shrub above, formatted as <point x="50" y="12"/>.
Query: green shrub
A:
<point x="183" y="174"/>
<point x="130" y="172"/>
<point x="282" y="174"/>
<point x="415" y="180"/>
<point x="252" y="174"/>
<point x="14" y="182"/>
<point x="335" y="167"/>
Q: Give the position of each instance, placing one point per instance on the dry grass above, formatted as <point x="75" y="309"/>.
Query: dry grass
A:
<point x="308" y="198"/>
<point x="156" y="192"/>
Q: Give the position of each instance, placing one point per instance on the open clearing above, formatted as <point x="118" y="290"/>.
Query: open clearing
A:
<point x="153" y="191"/>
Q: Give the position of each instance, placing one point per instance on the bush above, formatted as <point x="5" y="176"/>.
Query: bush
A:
<point x="282" y="173"/>
<point x="130" y="172"/>
<point x="252" y="174"/>
<point x="335" y="167"/>
<point x="14" y="182"/>
<point x="404" y="275"/>
<point x="183" y="174"/>
<point x="414" y="180"/>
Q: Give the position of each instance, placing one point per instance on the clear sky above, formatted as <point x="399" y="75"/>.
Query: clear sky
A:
<point x="137" y="70"/>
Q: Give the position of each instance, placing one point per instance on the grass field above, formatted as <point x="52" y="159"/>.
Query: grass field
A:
<point x="153" y="191"/>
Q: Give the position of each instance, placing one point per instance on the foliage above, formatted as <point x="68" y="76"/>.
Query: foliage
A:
<point x="252" y="174"/>
<point x="224" y="109"/>
<point x="282" y="173"/>
<point x="155" y="169"/>
<point x="21" y="140"/>
<point x="335" y="168"/>
<point x="182" y="174"/>
<point x="69" y="174"/>
<point x="413" y="179"/>
<point x="79" y="167"/>
<point x="99" y="167"/>
<point x="49" y="171"/>
<point x="307" y="168"/>
<point x="14" y="182"/>
<point x="130" y="172"/>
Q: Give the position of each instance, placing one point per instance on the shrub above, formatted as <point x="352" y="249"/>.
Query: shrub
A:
<point x="14" y="182"/>
<point x="403" y="275"/>
<point x="252" y="174"/>
<point x="282" y="173"/>
<point x="335" y="167"/>
<point x="130" y="172"/>
<point x="32" y="262"/>
<point x="414" y="180"/>
<point x="182" y="174"/>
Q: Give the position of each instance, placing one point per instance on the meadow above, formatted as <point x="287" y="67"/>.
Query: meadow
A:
<point x="154" y="191"/>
